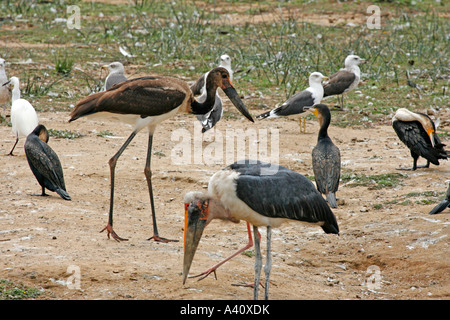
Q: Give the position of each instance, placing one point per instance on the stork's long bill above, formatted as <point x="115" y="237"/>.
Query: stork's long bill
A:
<point x="232" y="94"/>
<point x="196" y="215"/>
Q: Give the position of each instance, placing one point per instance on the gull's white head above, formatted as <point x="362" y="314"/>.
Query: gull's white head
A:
<point x="353" y="60"/>
<point x="316" y="77"/>
<point x="114" y="67"/>
<point x="225" y="60"/>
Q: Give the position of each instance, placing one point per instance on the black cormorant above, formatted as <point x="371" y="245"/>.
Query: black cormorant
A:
<point x="44" y="162"/>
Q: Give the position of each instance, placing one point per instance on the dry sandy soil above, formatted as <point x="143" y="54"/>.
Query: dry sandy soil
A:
<point x="42" y="237"/>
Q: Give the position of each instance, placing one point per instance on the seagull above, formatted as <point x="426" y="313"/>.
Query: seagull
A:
<point x="295" y="104"/>
<point x="116" y="74"/>
<point x="344" y="80"/>
<point x="5" y="93"/>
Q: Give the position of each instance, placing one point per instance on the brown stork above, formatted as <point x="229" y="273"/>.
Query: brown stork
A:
<point x="145" y="102"/>
<point x="260" y="193"/>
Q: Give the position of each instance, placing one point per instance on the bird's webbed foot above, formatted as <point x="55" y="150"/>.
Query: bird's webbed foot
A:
<point x="110" y="231"/>
<point x="206" y="273"/>
<point x="160" y="239"/>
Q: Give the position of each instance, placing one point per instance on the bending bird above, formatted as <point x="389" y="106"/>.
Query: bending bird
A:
<point x="261" y="193"/>
<point x="44" y="162"/>
<point x="146" y="102"/>
<point x="418" y="132"/>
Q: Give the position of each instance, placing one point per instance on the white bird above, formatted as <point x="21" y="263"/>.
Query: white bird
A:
<point x="210" y="119"/>
<point x="116" y="74"/>
<point x="345" y="79"/>
<point x="23" y="116"/>
<point x="295" y="104"/>
<point x="5" y="93"/>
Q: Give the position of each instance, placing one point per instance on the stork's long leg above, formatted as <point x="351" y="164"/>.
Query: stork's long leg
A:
<point x="258" y="263"/>
<point x="148" y="176"/>
<point x="112" y="167"/>
<point x="206" y="273"/>
<point x="268" y="265"/>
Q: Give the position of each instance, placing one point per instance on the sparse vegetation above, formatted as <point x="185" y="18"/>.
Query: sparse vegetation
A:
<point x="273" y="56"/>
<point x="105" y="133"/>
<point x="388" y="180"/>
<point x="66" y="134"/>
<point x="12" y="291"/>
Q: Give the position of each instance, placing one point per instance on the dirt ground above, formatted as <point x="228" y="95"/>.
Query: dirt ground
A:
<point x="394" y="252"/>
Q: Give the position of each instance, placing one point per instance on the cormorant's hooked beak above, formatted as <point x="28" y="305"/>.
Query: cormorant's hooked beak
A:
<point x="231" y="93"/>
<point x="430" y="132"/>
<point x="312" y="110"/>
<point x="196" y="215"/>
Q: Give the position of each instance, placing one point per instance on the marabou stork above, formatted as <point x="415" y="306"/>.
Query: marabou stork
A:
<point x="260" y="193"/>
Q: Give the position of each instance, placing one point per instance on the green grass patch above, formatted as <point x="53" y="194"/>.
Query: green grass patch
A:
<point x="275" y="57"/>
<point x="105" y="133"/>
<point x="65" y="134"/>
<point x="379" y="181"/>
<point x="12" y="291"/>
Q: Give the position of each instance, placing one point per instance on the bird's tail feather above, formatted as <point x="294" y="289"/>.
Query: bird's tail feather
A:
<point x="85" y="106"/>
<point x="331" y="199"/>
<point x="63" y="194"/>
<point x="263" y="115"/>
<point x="330" y="228"/>
<point x="440" y="207"/>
